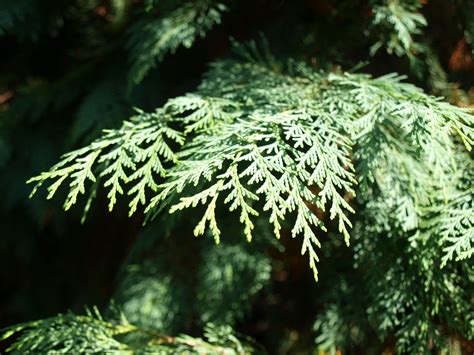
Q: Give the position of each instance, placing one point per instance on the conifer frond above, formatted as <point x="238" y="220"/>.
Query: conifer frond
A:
<point x="152" y="38"/>
<point x="396" y="23"/>
<point x="68" y="333"/>
<point x="200" y="113"/>
<point x="152" y="299"/>
<point x="264" y="142"/>
<point x="134" y="154"/>
<point x="451" y="218"/>
<point x="407" y="291"/>
<point x="267" y="147"/>
<point x="235" y="273"/>
<point x="457" y="228"/>
<point x="91" y="333"/>
<point x="272" y="158"/>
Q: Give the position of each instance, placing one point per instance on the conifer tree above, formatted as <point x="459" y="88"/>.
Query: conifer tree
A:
<point x="320" y="151"/>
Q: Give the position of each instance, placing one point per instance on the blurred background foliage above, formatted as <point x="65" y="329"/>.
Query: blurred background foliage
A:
<point x="72" y="68"/>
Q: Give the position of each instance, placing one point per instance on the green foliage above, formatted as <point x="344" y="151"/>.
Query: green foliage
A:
<point x="410" y="215"/>
<point x="231" y="275"/>
<point x="157" y="291"/>
<point x="342" y="324"/>
<point x="452" y="217"/>
<point x="152" y="299"/>
<point x="152" y="38"/>
<point x="268" y="136"/>
<point x="68" y="333"/>
<point x="140" y="145"/>
<point x="271" y="156"/>
<point x="402" y="289"/>
<point x="457" y="228"/>
<point x="414" y="295"/>
<point x="397" y="22"/>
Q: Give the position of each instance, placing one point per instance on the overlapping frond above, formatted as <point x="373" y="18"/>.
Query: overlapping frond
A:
<point x="235" y="273"/>
<point x="451" y="218"/>
<point x="264" y="149"/>
<point x="396" y="23"/>
<point x="152" y="299"/>
<point x="152" y="38"/>
<point x="91" y="333"/>
<point x="457" y="228"/>
<point x="266" y="143"/>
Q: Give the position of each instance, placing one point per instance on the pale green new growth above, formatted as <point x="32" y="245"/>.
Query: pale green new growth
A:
<point x="452" y="217"/>
<point x="289" y="144"/>
<point x="457" y="228"/>
<point x="133" y="154"/>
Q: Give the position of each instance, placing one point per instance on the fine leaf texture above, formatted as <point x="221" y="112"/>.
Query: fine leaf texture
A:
<point x="152" y="38"/>
<point x="396" y="23"/>
<point x="91" y="333"/>
<point x="275" y="140"/>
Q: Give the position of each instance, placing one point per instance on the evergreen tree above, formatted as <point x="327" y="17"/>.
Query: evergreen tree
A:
<point x="332" y="197"/>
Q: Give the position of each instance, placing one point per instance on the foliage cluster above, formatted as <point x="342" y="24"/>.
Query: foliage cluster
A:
<point x="277" y="152"/>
